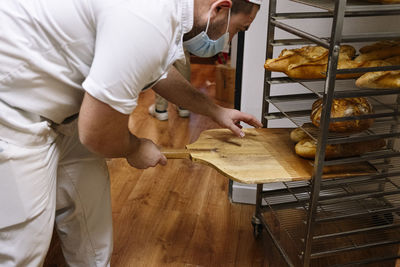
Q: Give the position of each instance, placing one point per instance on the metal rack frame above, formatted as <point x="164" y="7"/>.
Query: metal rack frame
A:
<point x="370" y="202"/>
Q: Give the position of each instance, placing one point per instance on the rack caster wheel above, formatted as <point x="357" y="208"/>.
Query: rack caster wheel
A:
<point x="257" y="231"/>
<point x="257" y="227"/>
<point x="383" y="219"/>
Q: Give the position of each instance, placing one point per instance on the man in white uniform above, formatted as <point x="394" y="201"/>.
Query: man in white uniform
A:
<point x="92" y="57"/>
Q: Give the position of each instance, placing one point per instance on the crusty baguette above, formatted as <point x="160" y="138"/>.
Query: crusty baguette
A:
<point x="307" y="148"/>
<point x="379" y="45"/>
<point x="296" y="56"/>
<point x="380" y="50"/>
<point x="310" y="62"/>
<point x="306" y="71"/>
<point x="347" y="52"/>
<point x="317" y="70"/>
<point x="381" y="79"/>
<point x="393" y="60"/>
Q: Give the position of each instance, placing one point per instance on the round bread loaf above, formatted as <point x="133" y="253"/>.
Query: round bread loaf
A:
<point x="307" y="148"/>
<point x="345" y="107"/>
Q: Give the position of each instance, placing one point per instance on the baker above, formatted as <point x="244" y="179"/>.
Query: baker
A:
<point x="59" y="59"/>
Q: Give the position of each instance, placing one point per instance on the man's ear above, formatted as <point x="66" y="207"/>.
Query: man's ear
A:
<point x="217" y="6"/>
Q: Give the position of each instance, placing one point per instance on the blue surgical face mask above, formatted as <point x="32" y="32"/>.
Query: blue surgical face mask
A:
<point x="202" y="46"/>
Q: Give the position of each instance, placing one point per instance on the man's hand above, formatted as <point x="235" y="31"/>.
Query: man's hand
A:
<point x="231" y="118"/>
<point x="180" y="92"/>
<point x="146" y="155"/>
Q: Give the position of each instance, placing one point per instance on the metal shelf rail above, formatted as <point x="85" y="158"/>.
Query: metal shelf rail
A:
<point x="323" y="218"/>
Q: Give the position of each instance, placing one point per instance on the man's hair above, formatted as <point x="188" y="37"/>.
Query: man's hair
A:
<point x="242" y="6"/>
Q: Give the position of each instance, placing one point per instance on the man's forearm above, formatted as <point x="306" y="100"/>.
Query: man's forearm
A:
<point x="179" y="91"/>
<point x="104" y="131"/>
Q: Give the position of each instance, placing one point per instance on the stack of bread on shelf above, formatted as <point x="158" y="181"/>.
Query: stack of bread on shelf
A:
<point x="385" y="53"/>
<point x="310" y="62"/>
<point x="346" y="107"/>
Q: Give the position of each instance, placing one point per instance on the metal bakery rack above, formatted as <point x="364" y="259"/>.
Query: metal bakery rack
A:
<point x="338" y="221"/>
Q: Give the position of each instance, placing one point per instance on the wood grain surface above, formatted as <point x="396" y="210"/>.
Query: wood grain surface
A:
<point x="262" y="156"/>
<point x="180" y="215"/>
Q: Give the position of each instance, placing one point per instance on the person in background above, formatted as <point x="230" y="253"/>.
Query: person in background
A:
<point x="70" y="76"/>
<point x="159" y="109"/>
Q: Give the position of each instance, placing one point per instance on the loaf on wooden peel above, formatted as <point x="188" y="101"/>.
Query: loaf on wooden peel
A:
<point x="344" y="107"/>
<point x="307" y="148"/>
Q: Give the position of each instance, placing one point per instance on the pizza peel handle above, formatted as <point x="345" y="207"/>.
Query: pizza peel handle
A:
<point x="176" y="153"/>
<point x="183" y="153"/>
<point x="264" y="156"/>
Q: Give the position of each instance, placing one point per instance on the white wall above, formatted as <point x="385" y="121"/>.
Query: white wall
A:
<point x="254" y="59"/>
<point x="253" y="63"/>
<point x="255" y="48"/>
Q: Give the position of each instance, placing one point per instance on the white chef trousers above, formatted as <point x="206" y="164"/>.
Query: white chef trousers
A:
<point x="46" y="174"/>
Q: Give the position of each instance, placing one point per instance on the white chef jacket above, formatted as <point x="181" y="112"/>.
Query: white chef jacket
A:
<point x="52" y="51"/>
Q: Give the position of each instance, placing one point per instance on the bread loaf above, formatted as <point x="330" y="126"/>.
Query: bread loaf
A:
<point x="307" y="148"/>
<point x="298" y="134"/>
<point x="379" y="51"/>
<point x="393" y="60"/>
<point x="379" y="45"/>
<point x="381" y="79"/>
<point x="296" y="56"/>
<point x="345" y="107"/>
<point x="310" y="62"/>
<point x="317" y="70"/>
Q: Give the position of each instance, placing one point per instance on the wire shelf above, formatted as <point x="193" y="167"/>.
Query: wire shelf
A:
<point x="324" y="14"/>
<point x="297" y="109"/>
<point x="345" y="214"/>
<point x="343" y="87"/>
<point x="324" y="218"/>
<point x="346" y="88"/>
<point x="325" y="41"/>
<point x="352" y="5"/>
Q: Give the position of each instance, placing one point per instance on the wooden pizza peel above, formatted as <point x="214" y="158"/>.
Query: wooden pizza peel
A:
<point x="262" y="156"/>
